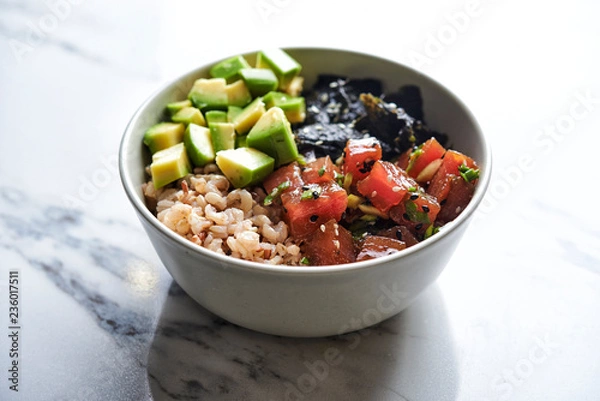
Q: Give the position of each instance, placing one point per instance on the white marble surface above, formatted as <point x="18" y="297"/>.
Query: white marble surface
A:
<point x="515" y="316"/>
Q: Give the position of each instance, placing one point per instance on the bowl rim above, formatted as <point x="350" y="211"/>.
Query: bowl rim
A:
<point x="144" y="212"/>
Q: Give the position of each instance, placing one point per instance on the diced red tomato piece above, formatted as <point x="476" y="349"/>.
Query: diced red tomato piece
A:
<point x="401" y="233"/>
<point x="453" y="159"/>
<point x="441" y="182"/>
<point x="402" y="161"/>
<point x="320" y="171"/>
<point x="304" y="216"/>
<point x="458" y="197"/>
<point x="421" y="157"/>
<point x="290" y="172"/>
<point x="360" y="155"/>
<point x="440" y="186"/>
<point x="417" y="212"/>
<point x="386" y="185"/>
<point x="375" y="246"/>
<point x="331" y="244"/>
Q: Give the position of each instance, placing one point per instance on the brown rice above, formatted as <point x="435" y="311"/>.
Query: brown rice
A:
<point x="204" y="210"/>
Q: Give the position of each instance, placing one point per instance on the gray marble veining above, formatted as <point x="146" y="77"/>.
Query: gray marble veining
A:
<point x="513" y="317"/>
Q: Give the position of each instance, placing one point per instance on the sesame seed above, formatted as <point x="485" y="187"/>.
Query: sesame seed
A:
<point x="336" y="243"/>
<point x="414" y="197"/>
<point x="322" y="227"/>
<point x="458" y="209"/>
<point x="419" y="226"/>
<point x="373" y="194"/>
<point x="443" y="202"/>
<point x="425" y="208"/>
<point x="396" y="189"/>
<point x="319" y="143"/>
<point x="314" y="218"/>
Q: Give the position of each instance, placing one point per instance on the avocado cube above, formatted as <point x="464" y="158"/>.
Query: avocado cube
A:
<point x="259" y="80"/>
<point x="272" y="134"/>
<point x="222" y="136"/>
<point x="198" y="144"/>
<point x="174" y="107"/>
<point x="244" y="121"/>
<point x="229" y="69"/>
<point x="163" y="135"/>
<point x="209" y="94"/>
<point x="244" y="166"/>
<point x="233" y="112"/>
<point x="238" y="94"/>
<point x="189" y="115"/>
<point x="169" y="165"/>
<point x="216" y="116"/>
<point x="293" y="107"/>
<point x="295" y="87"/>
<point x="281" y="63"/>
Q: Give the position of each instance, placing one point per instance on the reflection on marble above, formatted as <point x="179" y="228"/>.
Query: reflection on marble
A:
<point x="195" y="355"/>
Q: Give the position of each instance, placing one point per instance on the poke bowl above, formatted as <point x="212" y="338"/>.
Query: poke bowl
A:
<point x="230" y="214"/>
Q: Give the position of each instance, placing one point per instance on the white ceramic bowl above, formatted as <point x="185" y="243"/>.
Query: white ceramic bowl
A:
<point x="309" y="301"/>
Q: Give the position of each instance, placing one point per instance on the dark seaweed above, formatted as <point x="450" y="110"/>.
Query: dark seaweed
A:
<point x="338" y="109"/>
<point x="335" y="99"/>
<point x="396" y="130"/>
<point x="409" y="98"/>
<point x="325" y="139"/>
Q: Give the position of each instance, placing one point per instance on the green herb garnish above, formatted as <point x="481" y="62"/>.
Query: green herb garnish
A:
<point x="467" y="173"/>
<point x="312" y="191"/>
<point x="276" y="192"/>
<point x="430" y="231"/>
<point x="414" y="214"/>
<point x="301" y="160"/>
<point x="414" y="156"/>
<point x="339" y="178"/>
<point x="321" y="171"/>
<point x="305" y="261"/>
<point x="412" y="189"/>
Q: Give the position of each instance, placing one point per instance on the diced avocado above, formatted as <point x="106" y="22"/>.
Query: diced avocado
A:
<point x="222" y="136"/>
<point x="272" y="134"/>
<point x="259" y="80"/>
<point x="197" y="141"/>
<point x="293" y="107"/>
<point x="209" y="94"/>
<point x="229" y="69"/>
<point x="295" y="87"/>
<point x="189" y="115"/>
<point x="169" y="164"/>
<point x="163" y="135"/>
<point x="238" y="94"/>
<point x="174" y="107"/>
<point x="281" y="63"/>
<point x="216" y="116"/>
<point x="233" y="112"/>
<point x="244" y="121"/>
<point x="241" y="141"/>
<point x="244" y="166"/>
